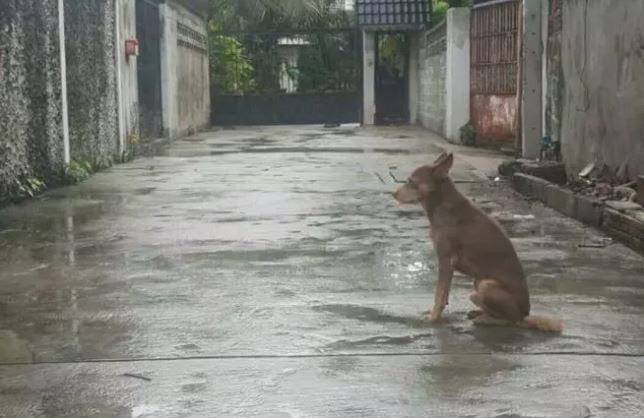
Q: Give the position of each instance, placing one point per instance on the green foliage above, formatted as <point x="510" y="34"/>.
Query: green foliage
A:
<point x="440" y="8"/>
<point x="326" y="64"/>
<point x="25" y="188"/>
<point x="468" y="134"/>
<point x="30" y="187"/>
<point x="77" y="172"/>
<point x="459" y="3"/>
<point x="393" y="51"/>
<point x="252" y="63"/>
<point x="230" y="69"/>
<point x="102" y="162"/>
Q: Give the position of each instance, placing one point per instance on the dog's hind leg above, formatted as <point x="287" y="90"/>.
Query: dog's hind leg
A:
<point x="477" y="300"/>
<point x="499" y="306"/>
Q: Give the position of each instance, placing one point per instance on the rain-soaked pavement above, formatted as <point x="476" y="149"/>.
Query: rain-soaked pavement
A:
<point x="268" y="273"/>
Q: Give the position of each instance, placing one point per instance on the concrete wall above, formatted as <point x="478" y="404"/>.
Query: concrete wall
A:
<point x="369" y="78"/>
<point x="433" y="72"/>
<point x="127" y="74"/>
<point x="414" y="78"/>
<point x="31" y="122"/>
<point x="602" y="58"/>
<point x="184" y="71"/>
<point x="457" y="100"/>
<point x="90" y="41"/>
<point x="553" y="102"/>
<point x="531" y="104"/>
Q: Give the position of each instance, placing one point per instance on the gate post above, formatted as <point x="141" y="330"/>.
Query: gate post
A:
<point x="369" y="77"/>
<point x="457" y="100"/>
<point x="168" y="52"/>
<point x="531" y="105"/>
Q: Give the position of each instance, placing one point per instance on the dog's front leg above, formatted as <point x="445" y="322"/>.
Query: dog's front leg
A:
<point x="441" y="297"/>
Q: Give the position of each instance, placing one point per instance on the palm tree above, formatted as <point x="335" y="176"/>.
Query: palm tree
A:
<point x="257" y="26"/>
<point x="244" y="15"/>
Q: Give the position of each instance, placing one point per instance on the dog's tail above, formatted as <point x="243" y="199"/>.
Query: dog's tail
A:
<point x="542" y="323"/>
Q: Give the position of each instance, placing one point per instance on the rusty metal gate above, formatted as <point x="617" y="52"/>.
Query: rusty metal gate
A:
<point x="495" y="49"/>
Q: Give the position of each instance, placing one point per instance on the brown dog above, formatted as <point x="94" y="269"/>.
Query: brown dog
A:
<point x="467" y="240"/>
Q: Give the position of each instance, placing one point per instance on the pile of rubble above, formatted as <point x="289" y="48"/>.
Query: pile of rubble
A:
<point x="596" y="196"/>
<point x="599" y="182"/>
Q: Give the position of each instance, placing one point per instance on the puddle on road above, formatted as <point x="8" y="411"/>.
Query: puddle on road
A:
<point x="378" y="341"/>
<point x="371" y="315"/>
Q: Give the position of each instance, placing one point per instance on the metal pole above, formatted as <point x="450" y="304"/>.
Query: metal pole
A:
<point x="63" y="81"/>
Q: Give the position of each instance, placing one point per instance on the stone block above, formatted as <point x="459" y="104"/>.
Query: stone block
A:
<point x="551" y="171"/>
<point x="623" y="206"/>
<point x="530" y="186"/>
<point x="561" y="200"/>
<point x="589" y="211"/>
<point x="625" y="228"/>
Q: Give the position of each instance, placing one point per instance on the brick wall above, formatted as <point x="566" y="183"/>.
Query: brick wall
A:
<point x="432" y="74"/>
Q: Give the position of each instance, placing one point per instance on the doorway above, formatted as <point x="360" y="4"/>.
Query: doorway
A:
<point x="392" y="78"/>
<point x="148" y="29"/>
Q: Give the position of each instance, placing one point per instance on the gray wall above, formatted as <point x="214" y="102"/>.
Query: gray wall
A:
<point x="432" y="72"/>
<point x="554" y="72"/>
<point x="129" y="112"/>
<point x="602" y="58"/>
<point x="90" y="41"/>
<point x="184" y="71"/>
<point x="31" y="144"/>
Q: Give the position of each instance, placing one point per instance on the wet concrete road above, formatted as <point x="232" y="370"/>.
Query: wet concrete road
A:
<point x="268" y="273"/>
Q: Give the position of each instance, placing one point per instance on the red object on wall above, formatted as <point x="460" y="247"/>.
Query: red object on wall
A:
<point x="131" y="47"/>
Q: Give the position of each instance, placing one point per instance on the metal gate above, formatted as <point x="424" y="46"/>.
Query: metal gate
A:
<point x="289" y="78"/>
<point x="392" y="78"/>
<point x="495" y="48"/>
<point x="148" y="29"/>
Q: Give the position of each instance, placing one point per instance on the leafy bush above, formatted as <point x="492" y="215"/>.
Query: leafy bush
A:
<point x="77" y="172"/>
<point x="439" y="11"/>
<point x="230" y="69"/>
<point x="468" y="134"/>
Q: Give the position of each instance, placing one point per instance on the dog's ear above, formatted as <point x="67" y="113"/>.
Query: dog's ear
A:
<point x="440" y="159"/>
<point x="443" y="165"/>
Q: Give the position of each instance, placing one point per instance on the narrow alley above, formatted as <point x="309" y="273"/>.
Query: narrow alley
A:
<point x="268" y="272"/>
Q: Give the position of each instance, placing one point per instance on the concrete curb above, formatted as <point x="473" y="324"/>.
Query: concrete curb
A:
<point x="582" y="208"/>
<point x="625" y="227"/>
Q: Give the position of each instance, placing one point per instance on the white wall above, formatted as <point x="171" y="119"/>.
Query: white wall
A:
<point x="602" y="87"/>
<point x="431" y="108"/>
<point x="127" y="75"/>
<point x="185" y="74"/>
<point x="531" y="104"/>
<point x="457" y="97"/>
<point x="414" y="78"/>
<point x="369" y="78"/>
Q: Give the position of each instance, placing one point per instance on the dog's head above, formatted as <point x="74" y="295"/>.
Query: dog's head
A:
<point x="425" y="181"/>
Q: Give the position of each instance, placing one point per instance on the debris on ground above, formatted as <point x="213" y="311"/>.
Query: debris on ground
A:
<point x="599" y="182"/>
<point x="137" y="376"/>
<point x="623" y="206"/>
<point x="597" y="243"/>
